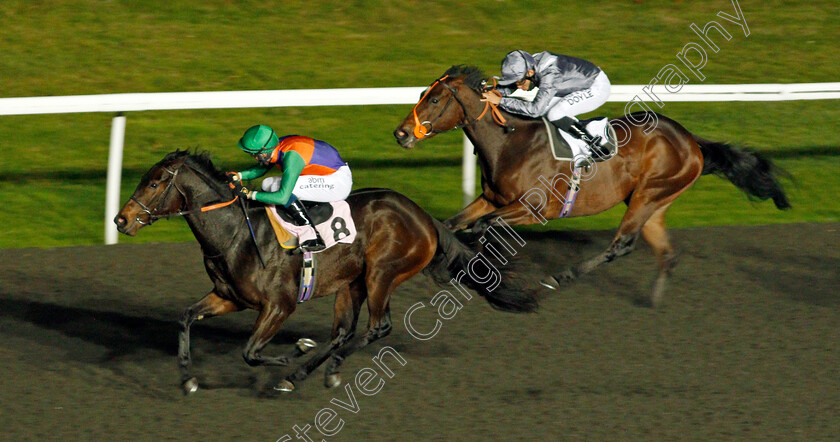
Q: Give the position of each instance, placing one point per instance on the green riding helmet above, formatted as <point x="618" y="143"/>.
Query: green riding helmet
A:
<point x="258" y="139"/>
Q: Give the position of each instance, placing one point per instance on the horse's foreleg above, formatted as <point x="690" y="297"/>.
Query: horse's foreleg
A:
<point x="515" y="214"/>
<point x="210" y="305"/>
<point x="474" y="210"/>
<point x="268" y="323"/>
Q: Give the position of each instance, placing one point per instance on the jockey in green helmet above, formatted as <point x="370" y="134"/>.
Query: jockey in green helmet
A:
<point x="312" y="171"/>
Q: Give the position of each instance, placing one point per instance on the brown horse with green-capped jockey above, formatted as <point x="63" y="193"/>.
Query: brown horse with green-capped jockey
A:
<point x="396" y="239"/>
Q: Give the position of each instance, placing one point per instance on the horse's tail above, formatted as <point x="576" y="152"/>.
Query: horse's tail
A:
<point x="757" y="176"/>
<point x="453" y="259"/>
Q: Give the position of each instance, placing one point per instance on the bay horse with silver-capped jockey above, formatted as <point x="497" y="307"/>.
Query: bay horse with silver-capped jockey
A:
<point x="396" y="239"/>
<point x="657" y="161"/>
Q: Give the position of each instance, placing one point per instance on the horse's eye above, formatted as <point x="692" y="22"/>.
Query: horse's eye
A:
<point x="153" y="185"/>
<point x="435" y="100"/>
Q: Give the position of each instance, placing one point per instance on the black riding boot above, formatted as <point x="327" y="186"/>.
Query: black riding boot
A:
<point x="298" y="213"/>
<point x="573" y="127"/>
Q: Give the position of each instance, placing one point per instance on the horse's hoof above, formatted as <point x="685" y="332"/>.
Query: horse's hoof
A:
<point x="285" y="386"/>
<point x="550" y="283"/>
<point x="566" y="276"/>
<point x="305" y="344"/>
<point x="333" y="380"/>
<point x="190" y="386"/>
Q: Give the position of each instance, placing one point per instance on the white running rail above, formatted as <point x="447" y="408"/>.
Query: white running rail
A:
<point x="135" y="102"/>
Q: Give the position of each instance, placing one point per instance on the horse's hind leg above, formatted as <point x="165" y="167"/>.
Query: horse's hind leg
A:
<point x="376" y="330"/>
<point x="210" y="305"/>
<point x="646" y="206"/>
<point x="640" y="208"/>
<point x="332" y="378"/>
<point x="656" y="235"/>
<point x="379" y="286"/>
<point x="622" y="244"/>
<point x="348" y="302"/>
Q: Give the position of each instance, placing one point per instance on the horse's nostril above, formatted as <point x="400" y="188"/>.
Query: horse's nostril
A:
<point x="120" y="221"/>
<point x="400" y="134"/>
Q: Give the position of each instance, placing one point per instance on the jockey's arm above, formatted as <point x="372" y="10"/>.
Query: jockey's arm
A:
<point x="255" y="171"/>
<point x="293" y="165"/>
<point x="505" y="91"/>
<point x="539" y="106"/>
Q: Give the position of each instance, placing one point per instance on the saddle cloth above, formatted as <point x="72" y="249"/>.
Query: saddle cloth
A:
<point x="336" y="227"/>
<point x="566" y="147"/>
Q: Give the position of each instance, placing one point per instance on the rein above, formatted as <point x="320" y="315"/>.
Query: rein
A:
<point x="422" y="131"/>
<point x="152" y="213"/>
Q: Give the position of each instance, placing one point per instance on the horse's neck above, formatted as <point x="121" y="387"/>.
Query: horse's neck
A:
<point x="214" y="229"/>
<point x="491" y="140"/>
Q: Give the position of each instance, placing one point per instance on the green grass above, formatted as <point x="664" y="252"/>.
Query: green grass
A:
<point x="52" y="174"/>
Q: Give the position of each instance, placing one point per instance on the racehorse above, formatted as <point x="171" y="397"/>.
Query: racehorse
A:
<point x="657" y="161"/>
<point x="396" y="239"/>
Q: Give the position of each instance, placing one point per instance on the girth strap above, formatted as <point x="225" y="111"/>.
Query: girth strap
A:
<point x="571" y="194"/>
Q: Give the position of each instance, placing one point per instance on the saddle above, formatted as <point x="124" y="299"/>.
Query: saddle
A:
<point x="319" y="212"/>
<point x="560" y="141"/>
<point x="334" y="222"/>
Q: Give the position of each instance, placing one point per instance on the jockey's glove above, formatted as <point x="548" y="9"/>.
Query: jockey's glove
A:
<point x="233" y="177"/>
<point x="247" y="194"/>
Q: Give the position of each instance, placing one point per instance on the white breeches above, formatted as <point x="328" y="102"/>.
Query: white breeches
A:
<point x="318" y="188"/>
<point x="582" y="101"/>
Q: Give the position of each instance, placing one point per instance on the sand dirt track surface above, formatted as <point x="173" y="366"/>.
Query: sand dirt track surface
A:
<point x="745" y="346"/>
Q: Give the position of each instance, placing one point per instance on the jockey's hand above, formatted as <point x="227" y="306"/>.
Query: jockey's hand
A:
<point x="233" y="177"/>
<point x="494" y="97"/>
<point x="236" y="186"/>
<point x="245" y="193"/>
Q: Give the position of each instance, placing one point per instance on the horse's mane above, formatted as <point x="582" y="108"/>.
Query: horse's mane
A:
<point x="198" y="160"/>
<point x="473" y="77"/>
<point x="476" y="80"/>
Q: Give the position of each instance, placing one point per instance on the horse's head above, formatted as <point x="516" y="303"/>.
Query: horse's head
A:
<point x="157" y="195"/>
<point x="451" y="102"/>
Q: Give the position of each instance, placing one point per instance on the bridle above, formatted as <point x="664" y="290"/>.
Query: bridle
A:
<point x="420" y="128"/>
<point x="152" y="214"/>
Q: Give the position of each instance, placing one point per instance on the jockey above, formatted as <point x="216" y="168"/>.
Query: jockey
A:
<point x="569" y="86"/>
<point x="312" y="171"/>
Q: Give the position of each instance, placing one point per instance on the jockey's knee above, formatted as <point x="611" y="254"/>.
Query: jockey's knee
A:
<point x="271" y="184"/>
